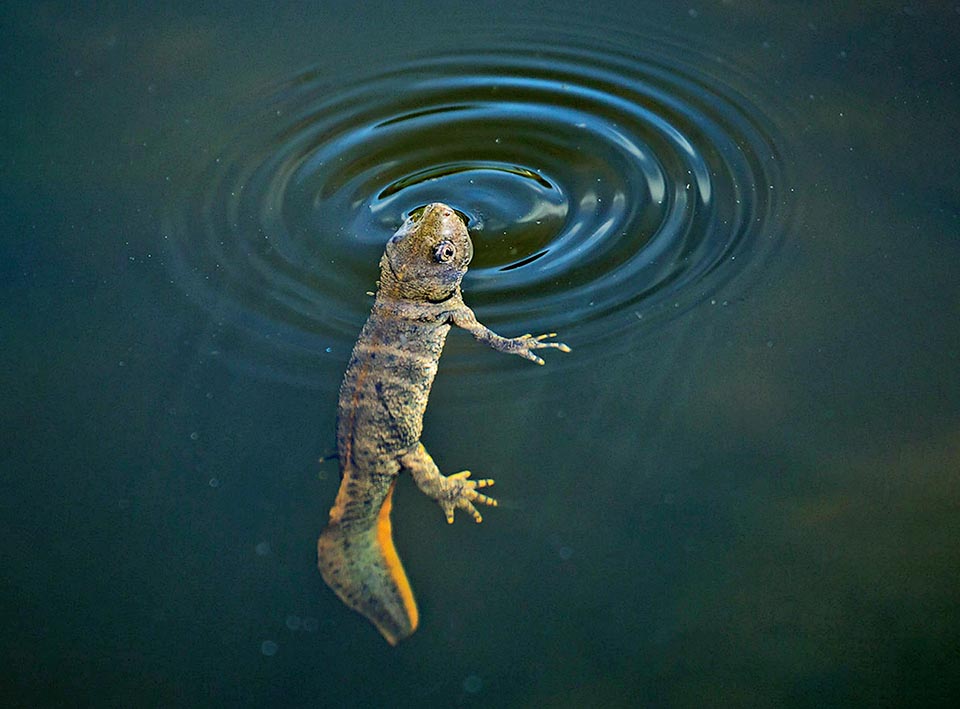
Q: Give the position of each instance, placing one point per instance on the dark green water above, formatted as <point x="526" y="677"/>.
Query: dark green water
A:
<point x="740" y="488"/>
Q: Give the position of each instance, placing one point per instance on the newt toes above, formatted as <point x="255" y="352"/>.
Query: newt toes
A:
<point x="380" y="415"/>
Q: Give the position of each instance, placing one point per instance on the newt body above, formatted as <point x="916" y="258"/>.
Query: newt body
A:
<point x="380" y="415"/>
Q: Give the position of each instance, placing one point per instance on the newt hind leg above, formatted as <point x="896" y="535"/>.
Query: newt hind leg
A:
<point x="451" y="492"/>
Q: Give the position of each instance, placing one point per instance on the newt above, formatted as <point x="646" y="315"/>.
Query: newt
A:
<point x="380" y="415"/>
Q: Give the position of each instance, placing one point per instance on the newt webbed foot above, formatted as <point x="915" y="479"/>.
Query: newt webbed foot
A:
<point x="457" y="492"/>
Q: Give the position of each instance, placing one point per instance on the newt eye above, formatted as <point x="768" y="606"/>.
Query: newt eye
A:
<point x="444" y="252"/>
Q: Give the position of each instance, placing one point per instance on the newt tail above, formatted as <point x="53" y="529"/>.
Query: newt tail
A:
<point x="361" y="565"/>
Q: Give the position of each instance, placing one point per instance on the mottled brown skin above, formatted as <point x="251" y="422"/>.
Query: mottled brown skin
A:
<point x="380" y="416"/>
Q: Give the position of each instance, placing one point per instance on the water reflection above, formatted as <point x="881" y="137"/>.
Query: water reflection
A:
<point x="601" y="188"/>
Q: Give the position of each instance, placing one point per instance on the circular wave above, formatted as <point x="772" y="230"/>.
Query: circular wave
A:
<point x="600" y="189"/>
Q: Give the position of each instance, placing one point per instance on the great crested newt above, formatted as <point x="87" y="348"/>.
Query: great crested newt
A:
<point x="380" y="416"/>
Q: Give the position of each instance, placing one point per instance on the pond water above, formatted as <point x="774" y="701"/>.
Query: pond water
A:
<point x="742" y="486"/>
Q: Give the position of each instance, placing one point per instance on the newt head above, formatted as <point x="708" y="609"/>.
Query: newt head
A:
<point x="427" y="256"/>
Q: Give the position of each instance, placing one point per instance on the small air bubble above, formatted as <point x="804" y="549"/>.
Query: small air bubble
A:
<point x="269" y="648"/>
<point x="262" y="548"/>
<point x="328" y="350"/>
<point x="194" y="436"/>
<point x="293" y="622"/>
<point x="214" y="482"/>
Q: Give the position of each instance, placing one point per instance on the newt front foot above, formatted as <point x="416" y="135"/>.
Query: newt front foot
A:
<point x="457" y="492"/>
<point x="525" y="345"/>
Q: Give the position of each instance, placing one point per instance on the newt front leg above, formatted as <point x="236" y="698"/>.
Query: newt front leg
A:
<point x="523" y="345"/>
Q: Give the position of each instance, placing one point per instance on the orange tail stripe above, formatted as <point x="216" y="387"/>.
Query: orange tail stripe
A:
<point x="385" y="542"/>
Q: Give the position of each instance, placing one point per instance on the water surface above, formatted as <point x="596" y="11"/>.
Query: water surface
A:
<point x="741" y="485"/>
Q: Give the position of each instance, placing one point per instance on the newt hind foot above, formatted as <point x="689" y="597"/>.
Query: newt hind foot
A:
<point x="457" y="492"/>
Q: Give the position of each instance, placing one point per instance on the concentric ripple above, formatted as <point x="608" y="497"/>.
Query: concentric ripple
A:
<point x="602" y="191"/>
